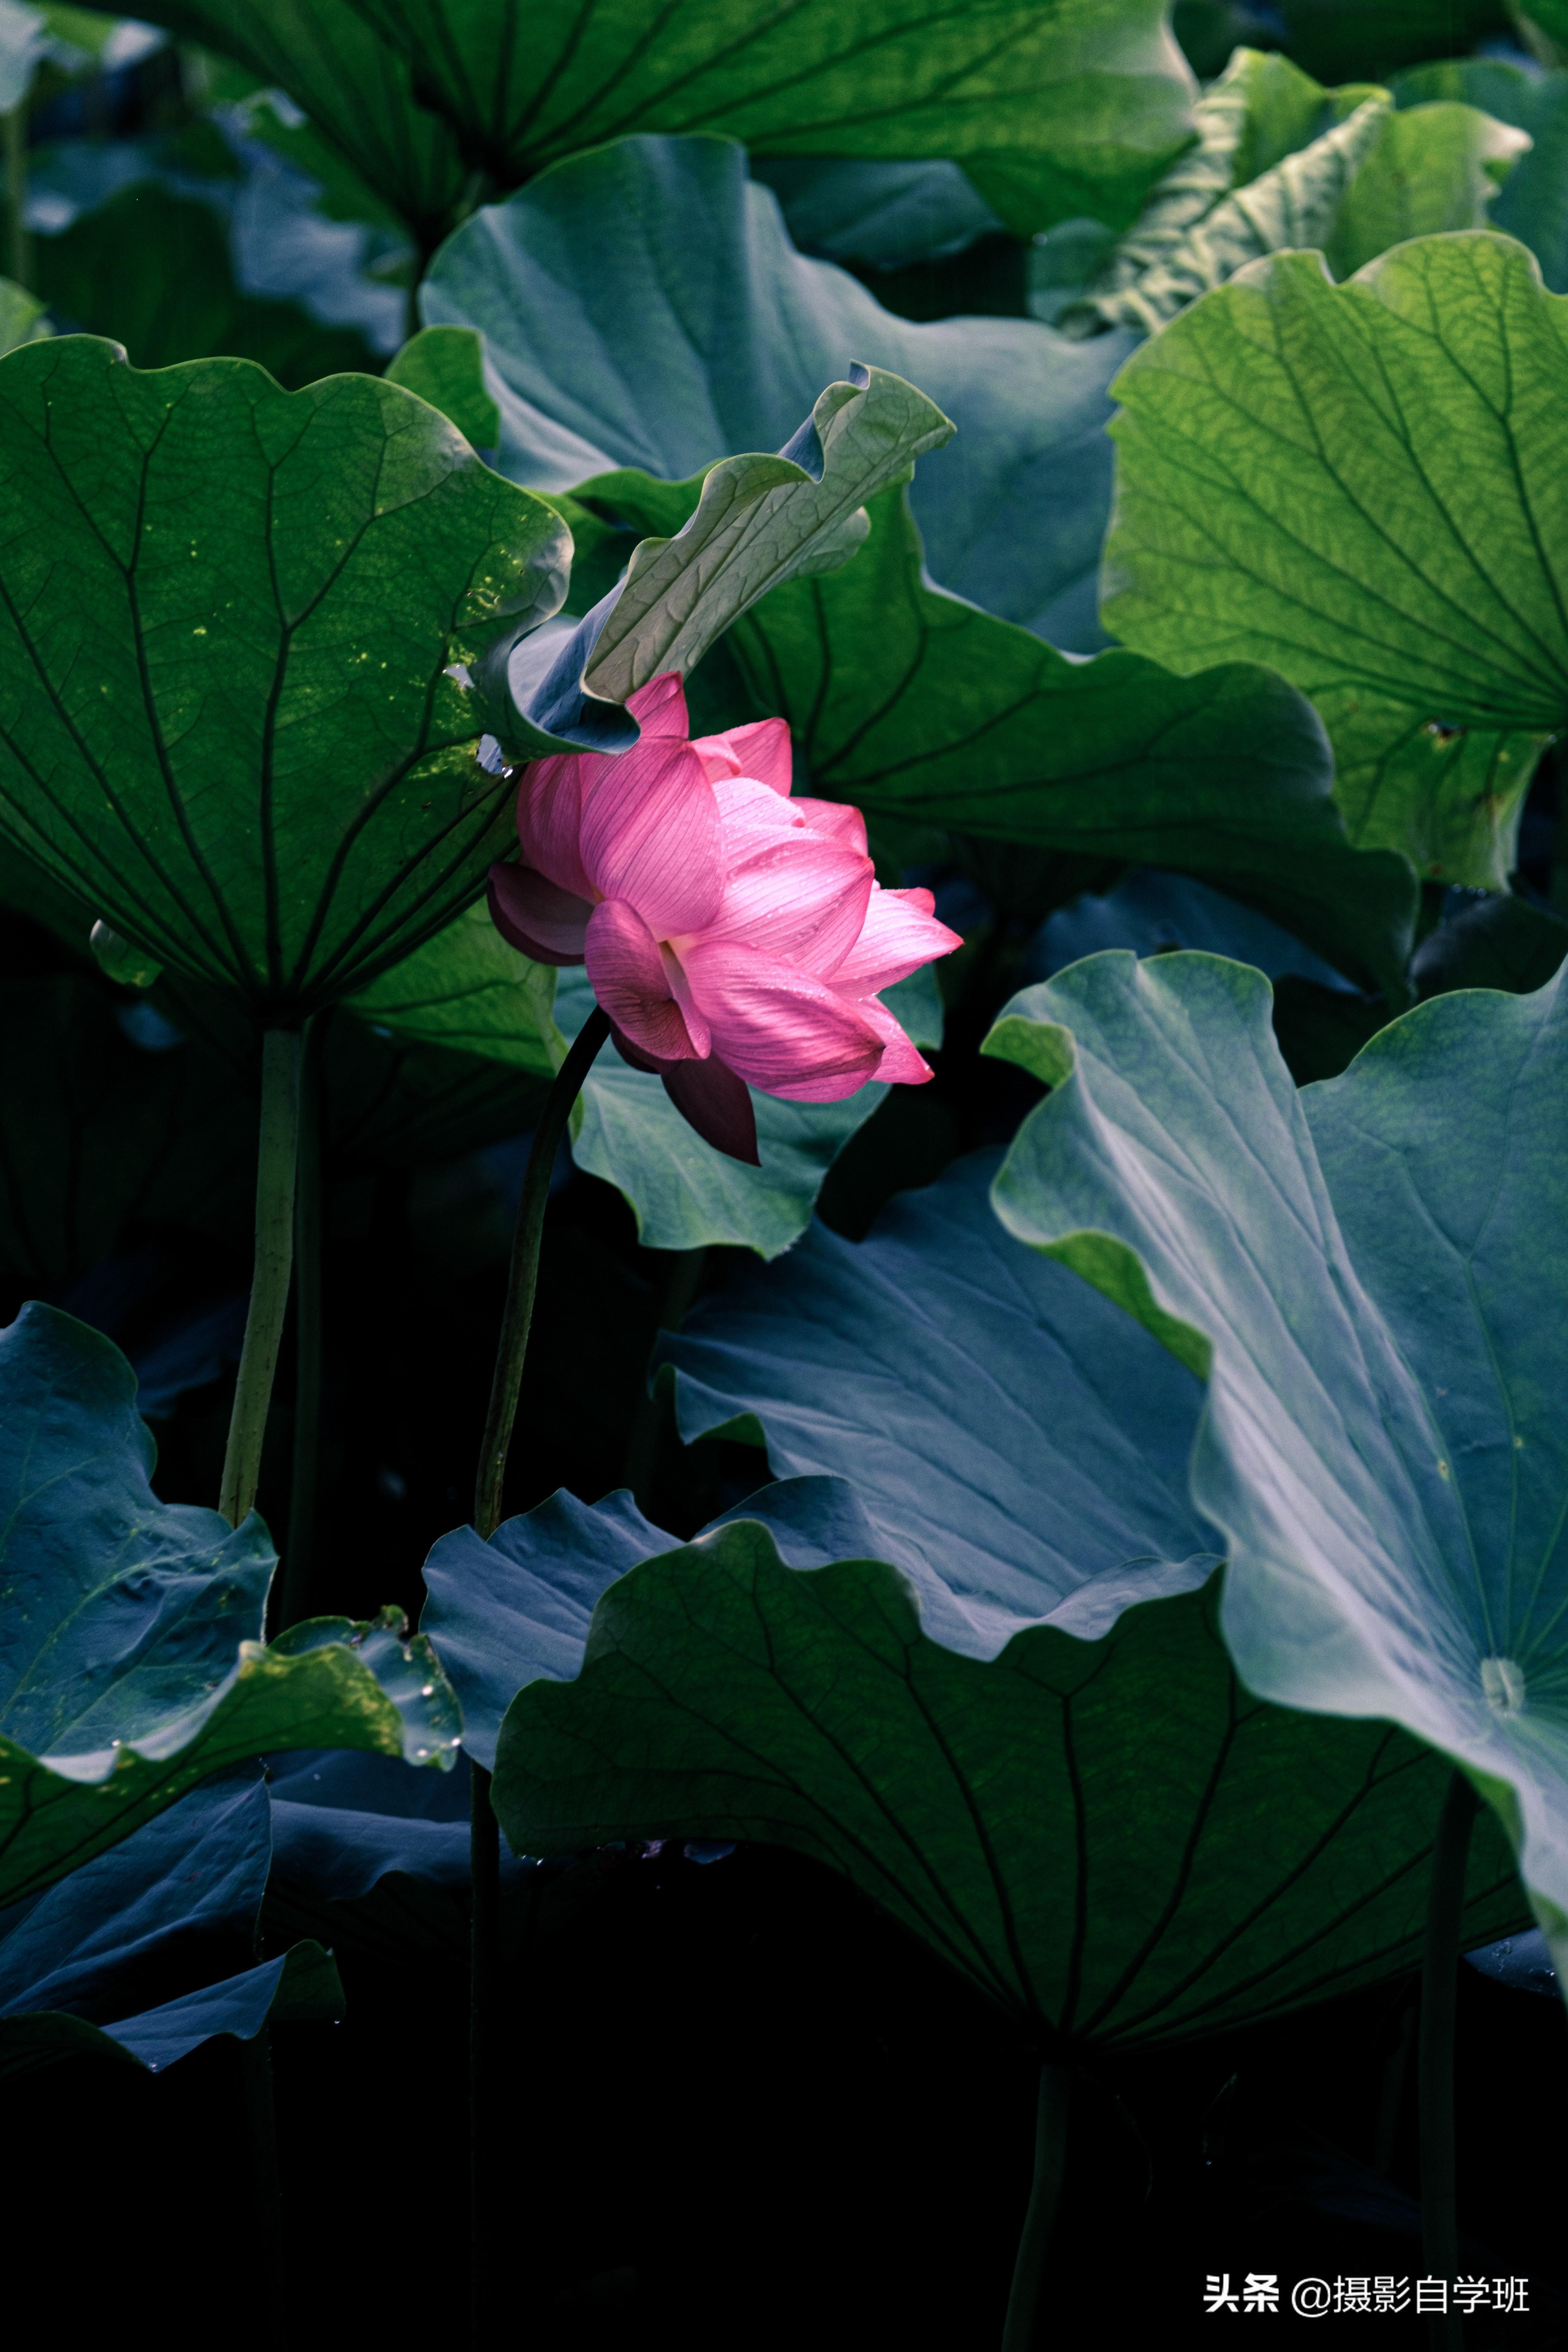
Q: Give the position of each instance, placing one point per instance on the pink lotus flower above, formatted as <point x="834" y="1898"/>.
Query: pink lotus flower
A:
<point x="735" y="936"/>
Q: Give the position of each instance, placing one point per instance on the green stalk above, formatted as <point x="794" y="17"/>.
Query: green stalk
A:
<point x="523" y="1275"/>
<point x="19" y="243"/>
<point x="275" y="1165"/>
<point x="1439" y="1991"/>
<point x="486" y="2051"/>
<point x="1039" y="2221"/>
<point x="298" y="1553"/>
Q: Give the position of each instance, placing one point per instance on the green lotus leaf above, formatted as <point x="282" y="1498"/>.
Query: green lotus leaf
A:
<point x="1498" y="943"/>
<point x="22" y="318"/>
<point x="642" y="307"/>
<point x="131" y="1666"/>
<point x="468" y="989"/>
<point x="1370" y="1274"/>
<point x="914" y="705"/>
<point x="1055" y="108"/>
<point x="752" y="523"/>
<point x="153" y="271"/>
<point x="1112" y="1841"/>
<point x="357" y="92"/>
<point x="1359" y="486"/>
<point x="445" y="366"/>
<point x="682" y="1192"/>
<point x="228" y="615"/>
<point x="1533" y="202"/>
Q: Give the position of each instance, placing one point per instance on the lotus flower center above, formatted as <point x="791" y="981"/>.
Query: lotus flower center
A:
<point x="1503" y="1684"/>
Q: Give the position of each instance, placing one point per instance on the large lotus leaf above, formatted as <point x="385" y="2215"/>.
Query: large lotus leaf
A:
<point x="1020" y="1448"/>
<point x="1152" y="912"/>
<point x="467" y="988"/>
<point x="343" y="1822"/>
<point x="153" y="271"/>
<point x="228" y="611"/>
<point x="884" y="215"/>
<point x="685" y="1194"/>
<point x="1110" y="1840"/>
<point x="643" y="306"/>
<point x="503" y="1613"/>
<point x="1055" y="107"/>
<point x="154" y="1906"/>
<point x="1359" y="485"/>
<point x="357" y="92"/>
<point x="1371" y="1272"/>
<point x="1533" y="202"/>
<point x="96" y="1131"/>
<point x="130" y="1665"/>
<point x="914" y="705"/>
<point x="1433" y="168"/>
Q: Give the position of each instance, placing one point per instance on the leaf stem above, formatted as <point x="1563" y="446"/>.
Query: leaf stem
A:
<point x="1039" y="2219"/>
<point x="486" y="2051"/>
<point x="1439" y="1989"/>
<point x="275" y="1163"/>
<point x="523" y="1275"/>
<point x="297" y="1556"/>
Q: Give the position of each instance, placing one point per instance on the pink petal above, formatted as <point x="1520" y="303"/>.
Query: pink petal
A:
<point x="761" y="750"/>
<point x="798" y="897"/>
<point x="779" y="1028"/>
<point x="900" y="933"/>
<point x="550" y="819"/>
<point x="545" y="922"/>
<point x="751" y="813"/>
<point x="628" y="978"/>
<point x="651" y="835"/>
<point x="836" y="820"/>
<point x="902" y="1064"/>
<point x="659" y="707"/>
<point x="714" y="1102"/>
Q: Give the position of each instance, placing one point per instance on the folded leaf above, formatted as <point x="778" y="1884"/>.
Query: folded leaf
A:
<point x="130" y="1663"/>
<point x="756" y="523"/>
<point x="1358" y="485"/>
<point x="227" y="613"/>
<point x="1373" y="1268"/>
<point x="150" y="1908"/>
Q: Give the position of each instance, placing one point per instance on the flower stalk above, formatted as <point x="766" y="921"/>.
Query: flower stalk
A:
<point x="1439" y="1993"/>
<point x="487" y="2053"/>
<point x="1040" y="2216"/>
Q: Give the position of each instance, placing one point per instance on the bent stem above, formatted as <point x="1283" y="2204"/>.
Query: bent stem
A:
<point x="486" y="2082"/>
<point x="297" y="1558"/>
<point x="1439" y="1989"/>
<point x="1039" y="2221"/>
<point x="275" y="1162"/>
